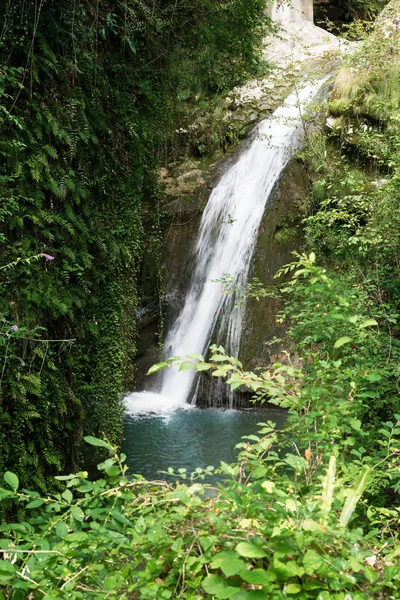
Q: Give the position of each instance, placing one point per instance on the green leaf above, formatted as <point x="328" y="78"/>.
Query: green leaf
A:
<point x="370" y="574"/>
<point x="77" y="513"/>
<point x="93" y="441"/>
<point x="312" y="561"/>
<point x="249" y="550"/>
<point x="77" y="536"/>
<point x="113" y="581"/>
<point x="118" y="516"/>
<point x="186" y="366"/>
<point x="67" y="495"/>
<point x="113" y="471"/>
<point x="84" y="487"/>
<point x="222" y="372"/>
<point x="35" y="503"/>
<point x="218" y="587"/>
<point x="199" y="357"/>
<point x="158" y="367"/>
<point x="7" y="570"/>
<point x="256" y="577"/>
<point x="12" y="480"/>
<point x="355" y="424"/>
<point x="328" y="487"/>
<point x="62" y="529"/>
<point x="293" y="588"/>
<point x="253" y="595"/>
<point x="373" y="377"/>
<point x="206" y="542"/>
<point x="203" y="367"/>
<point x="286" y="570"/>
<point x="342" y="341"/>
<point x="368" y="323"/>
<point x="353" y="496"/>
<point x="229" y="563"/>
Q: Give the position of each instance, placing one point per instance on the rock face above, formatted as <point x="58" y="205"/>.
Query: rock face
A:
<point x="279" y="236"/>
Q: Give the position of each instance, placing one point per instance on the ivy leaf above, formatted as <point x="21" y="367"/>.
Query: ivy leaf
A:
<point x="342" y="341"/>
<point x="229" y="563"/>
<point x="249" y="550"/>
<point x="12" y="480"/>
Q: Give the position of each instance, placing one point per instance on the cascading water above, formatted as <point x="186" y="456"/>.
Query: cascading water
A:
<point x="225" y="244"/>
<point x="297" y="10"/>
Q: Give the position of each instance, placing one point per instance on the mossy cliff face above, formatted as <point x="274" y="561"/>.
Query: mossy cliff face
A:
<point x="280" y="234"/>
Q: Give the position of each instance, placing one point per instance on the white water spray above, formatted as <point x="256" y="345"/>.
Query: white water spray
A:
<point x="225" y="245"/>
<point x="295" y="10"/>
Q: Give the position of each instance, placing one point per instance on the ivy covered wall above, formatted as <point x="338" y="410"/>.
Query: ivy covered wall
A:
<point x="90" y="96"/>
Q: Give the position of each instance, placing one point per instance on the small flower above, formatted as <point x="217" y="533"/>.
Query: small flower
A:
<point x="46" y="256"/>
<point x="14" y="327"/>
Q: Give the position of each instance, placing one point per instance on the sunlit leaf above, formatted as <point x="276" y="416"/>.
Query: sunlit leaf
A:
<point x="342" y="341"/>
<point x="12" y="480"/>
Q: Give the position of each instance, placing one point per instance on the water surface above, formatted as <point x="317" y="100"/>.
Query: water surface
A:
<point x="189" y="438"/>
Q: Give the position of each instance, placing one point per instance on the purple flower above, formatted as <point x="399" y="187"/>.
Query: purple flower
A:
<point x="46" y="256"/>
<point x="14" y="327"/>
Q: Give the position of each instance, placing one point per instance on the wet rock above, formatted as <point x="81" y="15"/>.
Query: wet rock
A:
<point x="264" y="340"/>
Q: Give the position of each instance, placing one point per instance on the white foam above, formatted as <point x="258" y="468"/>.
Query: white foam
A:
<point x="150" y="403"/>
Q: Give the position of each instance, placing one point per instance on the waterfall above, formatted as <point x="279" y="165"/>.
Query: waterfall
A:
<point x="225" y="244"/>
<point x="296" y="10"/>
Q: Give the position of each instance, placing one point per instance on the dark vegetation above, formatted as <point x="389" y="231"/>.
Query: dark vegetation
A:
<point x="90" y="96"/>
<point x="341" y="13"/>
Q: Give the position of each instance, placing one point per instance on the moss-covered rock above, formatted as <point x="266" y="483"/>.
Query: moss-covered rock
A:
<point x="264" y="340"/>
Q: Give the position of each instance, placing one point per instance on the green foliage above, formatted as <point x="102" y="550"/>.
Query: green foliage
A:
<point x="90" y="95"/>
<point x="265" y="533"/>
<point x="345" y="315"/>
<point x="349" y="17"/>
